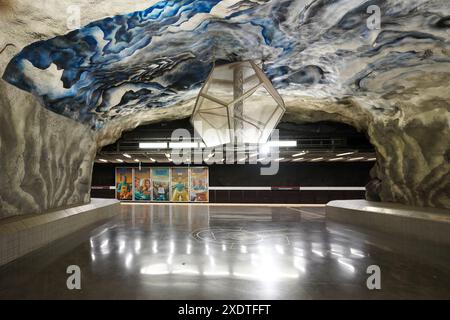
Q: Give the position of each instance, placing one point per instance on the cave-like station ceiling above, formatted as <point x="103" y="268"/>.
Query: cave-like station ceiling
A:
<point x="160" y="56"/>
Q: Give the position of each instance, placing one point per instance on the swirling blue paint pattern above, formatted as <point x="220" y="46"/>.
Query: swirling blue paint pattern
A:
<point x="134" y="62"/>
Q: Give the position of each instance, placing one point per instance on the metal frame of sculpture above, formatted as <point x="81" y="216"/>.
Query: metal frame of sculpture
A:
<point x="237" y="104"/>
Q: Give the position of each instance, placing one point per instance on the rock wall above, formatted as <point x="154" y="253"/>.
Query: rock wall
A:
<point x="413" y="153"/>
<point x="46" y="160"/>
<point x="412" y="145"/>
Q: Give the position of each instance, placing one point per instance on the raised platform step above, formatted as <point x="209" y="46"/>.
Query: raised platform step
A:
<point x="22" y="234"/>
<point x="428" y="224"/>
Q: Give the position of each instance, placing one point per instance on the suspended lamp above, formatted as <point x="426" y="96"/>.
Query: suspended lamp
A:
<point x="237" y="104"/>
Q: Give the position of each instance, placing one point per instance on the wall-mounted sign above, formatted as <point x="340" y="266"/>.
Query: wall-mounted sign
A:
<point x="142" y="184"/>
<point x="124" y="178"/>
<point x="158" y="184"/>
<point x="180" y="185"/>
<point x="199" y="185"/>
<point x="161" y="184"/>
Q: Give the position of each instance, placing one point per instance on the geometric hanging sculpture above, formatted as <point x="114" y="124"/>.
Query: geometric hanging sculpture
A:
<point x="237" y="104"/>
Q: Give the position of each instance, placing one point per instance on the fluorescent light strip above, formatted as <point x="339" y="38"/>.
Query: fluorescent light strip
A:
<point x="356" y="159"/>
<point x="299" y="188"/>
<point x="298" y="159"/>
<point x="279" y="159"/>
<point x="282" y="143"/>
<point x="372" y="159"/>
<point x="345" y="154"/>
<point x="183" y="145"/>
<point x="120" y="160"/>
<point x="153" y="160"/>
<point x="153" y="145"/>
<point x="126" y="155"/>
<point x="299" y="154"/>
<point x="317" y="159"/>
<point x="336" y="159"/>
<point x="137" y="160"/>
<point x="103" y="160"/>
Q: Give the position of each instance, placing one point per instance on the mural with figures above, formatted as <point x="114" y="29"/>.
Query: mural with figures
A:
<point x="179" y="184"/>
<point x="159" y="184"/>
<point x="160" y="56"/>
<point x="124" y="188"/>
<point x="142" y="184"/>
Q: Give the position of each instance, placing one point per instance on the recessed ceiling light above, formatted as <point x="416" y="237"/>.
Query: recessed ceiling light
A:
<point x="126" y="155"/>
<point x="153" y="145"/>
<point x="345" y="154"/>
<point x="120" y="160"/>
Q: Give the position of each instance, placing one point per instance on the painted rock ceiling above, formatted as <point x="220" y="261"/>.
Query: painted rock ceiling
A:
<point x="160" y="56"/>
<point x="133" y="62"/>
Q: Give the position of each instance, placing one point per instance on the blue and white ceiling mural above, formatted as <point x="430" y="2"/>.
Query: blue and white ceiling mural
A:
<point x="160" y="56"/>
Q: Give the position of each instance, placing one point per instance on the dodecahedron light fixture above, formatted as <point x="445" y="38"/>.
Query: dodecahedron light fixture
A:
<point x="237" y="104"/>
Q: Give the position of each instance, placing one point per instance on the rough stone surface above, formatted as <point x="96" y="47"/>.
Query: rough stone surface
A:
<point x="46" y="159"/>
<point x="392" y="83"/>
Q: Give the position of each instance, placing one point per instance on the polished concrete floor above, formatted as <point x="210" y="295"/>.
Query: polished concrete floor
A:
<point x="228" y="252"/>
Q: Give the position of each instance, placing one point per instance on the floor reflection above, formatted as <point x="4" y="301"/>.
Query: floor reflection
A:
<point x="228" y="252"/>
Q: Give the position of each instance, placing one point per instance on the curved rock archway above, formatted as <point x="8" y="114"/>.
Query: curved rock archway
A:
<point x="392" y="83"/>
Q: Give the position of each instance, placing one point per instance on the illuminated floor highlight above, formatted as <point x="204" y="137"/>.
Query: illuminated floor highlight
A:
<point x="229" y="252"/>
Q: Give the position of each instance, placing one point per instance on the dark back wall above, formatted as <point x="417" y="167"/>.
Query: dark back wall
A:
<point x="300" y="174"/>
<point x="289" y="175"/>
<point x="297" y="174"/>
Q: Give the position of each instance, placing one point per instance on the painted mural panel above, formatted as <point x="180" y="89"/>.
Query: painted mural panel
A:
<point x="161" y="184"/>
<point x="142" y="185"/>
<point x="180" y="185"/>
<point x="124" y="178"/>
<point x="199" y="185"/>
